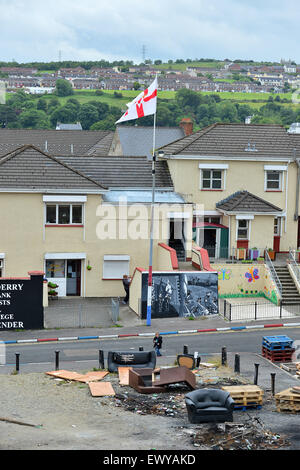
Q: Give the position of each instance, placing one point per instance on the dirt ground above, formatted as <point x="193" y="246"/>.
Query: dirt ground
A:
<point x="65" y="416"/>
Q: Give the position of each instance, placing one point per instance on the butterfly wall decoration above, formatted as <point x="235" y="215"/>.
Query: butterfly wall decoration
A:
<point x="252" y="274"/>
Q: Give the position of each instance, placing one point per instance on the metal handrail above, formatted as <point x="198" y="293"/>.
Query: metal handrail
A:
<point x="294" y="265"/>
<point x="273" y="272"/>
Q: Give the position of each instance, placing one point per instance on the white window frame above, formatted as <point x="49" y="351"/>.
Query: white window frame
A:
<point x="57" y="204"/>
<point x="213" y="167"/>
<point x="238" y="228"/>
<point x="278" y="232"/>
<point x="280" y="181"/>
<point x="115" y="266"/>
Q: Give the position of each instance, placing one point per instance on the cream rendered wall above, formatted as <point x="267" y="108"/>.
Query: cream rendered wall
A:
<point x="261" y="232"/>
<point x="241" y="175"/>
<point x="25" y="240"/>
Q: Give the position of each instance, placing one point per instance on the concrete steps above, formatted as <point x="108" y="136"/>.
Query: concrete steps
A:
<point x="290" y="294"/>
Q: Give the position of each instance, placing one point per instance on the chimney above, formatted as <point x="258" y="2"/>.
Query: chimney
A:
<point x="187" y="125"/>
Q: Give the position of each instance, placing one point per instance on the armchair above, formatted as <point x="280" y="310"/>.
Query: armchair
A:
<point x="209" y="405"/>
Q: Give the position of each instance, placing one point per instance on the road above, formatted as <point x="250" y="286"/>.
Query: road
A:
<point x="88" y="350"/>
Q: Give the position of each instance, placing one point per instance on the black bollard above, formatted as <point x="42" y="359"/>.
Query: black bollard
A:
<point x="101" y="359"/>
<point x="237" y="365"/>
<point x="56" y="360"/>
<point x="273" y="383"/>
<point x="141" y="348"/>
<point x="17" y="362"/>
<point x="185" y="349"/>
<point x="224" y="356"/>
<point x="198" y="361"/>
<point x="256" y="374"/>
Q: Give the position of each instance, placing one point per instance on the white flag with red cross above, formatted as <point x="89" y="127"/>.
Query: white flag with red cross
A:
<point x="143" y="105"/>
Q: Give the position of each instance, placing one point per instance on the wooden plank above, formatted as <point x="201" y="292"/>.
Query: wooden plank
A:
<point x="101" y="389"/>
<point x="70" y="375"/>
<point x="92" y="376"/>
<point x="64" y="374"/>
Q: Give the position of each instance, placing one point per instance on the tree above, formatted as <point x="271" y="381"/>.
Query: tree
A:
<point x="64" y="88"/>
<point x="185" y="97"/>
<point x="34" y="119"/>
<point x="65" y="114"/>
<point x="42" y="105"/>
<point x="88" y="115"/>
<point x="136" y="86"/>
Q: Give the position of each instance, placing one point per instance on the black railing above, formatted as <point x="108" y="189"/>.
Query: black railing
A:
<point x="256" y="310"/>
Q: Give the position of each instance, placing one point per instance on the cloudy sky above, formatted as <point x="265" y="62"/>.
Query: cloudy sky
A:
<point x="34" y="30"/>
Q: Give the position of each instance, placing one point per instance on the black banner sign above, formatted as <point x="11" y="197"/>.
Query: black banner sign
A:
<point x="21" y="303"/>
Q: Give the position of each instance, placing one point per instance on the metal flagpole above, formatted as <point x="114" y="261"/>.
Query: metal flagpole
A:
<point x="149" y="294"/>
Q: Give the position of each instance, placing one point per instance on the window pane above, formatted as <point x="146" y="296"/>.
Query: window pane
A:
<point x="243" y="233"/>
<point x="206" y="174"/>
<point x="216" y="184"/>
<point x="51" y="215"/>
<point x="206" y="184"/>
<point x="243" y="223"/>
<point x="273" y="185"/>
<point x="55" y="268"/>
<point x="273" y="180"/>
<point x="216" y="174"/>
<point x="76" y="214"/>
<point x="63" y="214"/>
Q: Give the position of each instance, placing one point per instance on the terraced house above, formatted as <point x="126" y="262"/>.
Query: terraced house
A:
<point x="71" y="209"/>
<point x="83" y="220"/>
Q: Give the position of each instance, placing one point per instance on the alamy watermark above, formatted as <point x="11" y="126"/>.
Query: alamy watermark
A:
<point x="127" y="221"/>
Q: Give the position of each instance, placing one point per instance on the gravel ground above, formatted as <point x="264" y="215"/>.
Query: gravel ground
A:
<point x="69" y="418"/>
<point x="65" y="416"/>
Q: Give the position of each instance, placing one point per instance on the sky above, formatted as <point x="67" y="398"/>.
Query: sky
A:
<point x="265" y="30"/>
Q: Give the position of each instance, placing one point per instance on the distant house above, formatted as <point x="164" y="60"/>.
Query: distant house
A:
<point x="68" y="127"/>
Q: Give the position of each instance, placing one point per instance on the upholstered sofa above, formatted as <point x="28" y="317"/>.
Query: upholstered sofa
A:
<point x="209" y="405"/>
<point x="140" y="359"/>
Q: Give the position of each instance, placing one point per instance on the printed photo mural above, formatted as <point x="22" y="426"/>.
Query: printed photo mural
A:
<point x="184" y="294"/>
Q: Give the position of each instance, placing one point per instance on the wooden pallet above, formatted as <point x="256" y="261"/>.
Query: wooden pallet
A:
<point x="277" y="342"/>
<point x="278" y="356"/>
<point x="287" y="401"/>
<point x="245" y="395"/>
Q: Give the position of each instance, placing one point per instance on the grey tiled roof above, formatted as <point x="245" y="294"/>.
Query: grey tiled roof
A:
<point x="28" y="168"/>
<point x="54" y="142"/>
<point x="243" y="201"/>
<point x="232" y="140"/>
<point x="138" y="140"/>
<point x="121" y="172"/>
<point x="68" y="127"/>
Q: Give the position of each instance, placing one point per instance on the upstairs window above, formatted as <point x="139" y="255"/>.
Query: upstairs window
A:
<point x="64" y="214"/>
<point x="273" y="181"/>
<point x="211" y="179"/>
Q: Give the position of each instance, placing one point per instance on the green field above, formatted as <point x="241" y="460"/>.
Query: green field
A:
<point x="255" y="100"/>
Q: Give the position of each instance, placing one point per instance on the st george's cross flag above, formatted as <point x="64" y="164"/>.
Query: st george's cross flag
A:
<point x="143" y="105"/>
